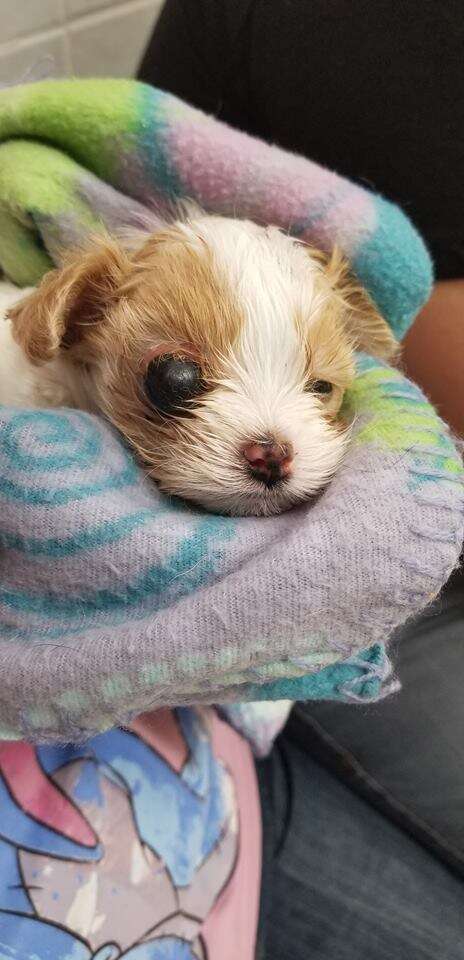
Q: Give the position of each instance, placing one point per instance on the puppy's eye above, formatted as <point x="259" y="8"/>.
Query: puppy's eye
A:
<point x="320" y="386"/>
<point x="171" y="381"/>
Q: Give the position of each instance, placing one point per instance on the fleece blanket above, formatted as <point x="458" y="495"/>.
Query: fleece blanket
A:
<point x="76" y="153"/>
<point x="114" y="599"/>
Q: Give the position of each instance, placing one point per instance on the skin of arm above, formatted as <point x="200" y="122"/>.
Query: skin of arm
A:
<point x="433" y="351"/>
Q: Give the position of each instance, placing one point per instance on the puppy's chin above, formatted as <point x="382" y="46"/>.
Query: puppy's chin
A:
<point x="241" y="501"/>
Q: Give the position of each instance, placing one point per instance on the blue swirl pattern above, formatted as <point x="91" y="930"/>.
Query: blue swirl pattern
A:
<point x="73" y="477"/>
<point x="45" y="457"/>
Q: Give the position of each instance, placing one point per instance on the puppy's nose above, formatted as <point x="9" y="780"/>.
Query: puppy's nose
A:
<point x="269" y="461"/>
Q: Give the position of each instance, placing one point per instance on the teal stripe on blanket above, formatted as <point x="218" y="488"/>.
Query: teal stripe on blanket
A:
<point x="58" y="443"/>
<point x="90" y="539"/>
<point x="153" y="145"/>
<point x="36" y="446"/>
<point x="359" y="678"/>
<point x="37" y="496"/>
<point x="191" y="561"/>
<point x="398" y="290"/>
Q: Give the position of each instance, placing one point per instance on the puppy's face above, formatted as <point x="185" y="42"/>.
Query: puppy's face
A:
<point x="220" y="349"/>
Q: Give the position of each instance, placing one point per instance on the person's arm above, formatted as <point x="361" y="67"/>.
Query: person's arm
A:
<point x="433" y="351"/>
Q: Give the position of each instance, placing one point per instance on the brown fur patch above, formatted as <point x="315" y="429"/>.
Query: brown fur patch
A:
<point x="168" y="294"/>
<point x="173" y="289"/>
<point x="329" y="353"/>
<point x="363" y="323"/>
<point x="109" y="308"/>
<point x="345" y="320"/>
<point x="68" y="301"/>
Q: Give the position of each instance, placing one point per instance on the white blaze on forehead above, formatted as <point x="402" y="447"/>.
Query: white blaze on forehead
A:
<point x="274" y="281"/>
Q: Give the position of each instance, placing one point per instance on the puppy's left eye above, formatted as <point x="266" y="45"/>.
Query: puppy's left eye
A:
<point x="320" y="386"/>
<point x="171" y="381"/>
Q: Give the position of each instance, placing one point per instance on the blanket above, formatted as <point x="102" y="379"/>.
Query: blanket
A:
<point x="115" y="599"/>
<point x="76" y="153"/>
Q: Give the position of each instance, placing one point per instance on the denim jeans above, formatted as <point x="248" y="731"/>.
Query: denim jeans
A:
<point x="363" y="813"/>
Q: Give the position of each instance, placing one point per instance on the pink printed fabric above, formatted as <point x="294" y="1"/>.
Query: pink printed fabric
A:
<point x="142" y="844"/>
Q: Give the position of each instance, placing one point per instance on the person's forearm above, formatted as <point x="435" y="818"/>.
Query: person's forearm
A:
<point x="433" y="351"/>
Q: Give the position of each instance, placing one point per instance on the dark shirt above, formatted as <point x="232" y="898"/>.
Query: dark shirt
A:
<point x="370" y="88"/>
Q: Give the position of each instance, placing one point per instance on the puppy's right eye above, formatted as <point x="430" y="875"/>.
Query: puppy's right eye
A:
<point x="322" y="387"/>
<point x="171" y="382"/>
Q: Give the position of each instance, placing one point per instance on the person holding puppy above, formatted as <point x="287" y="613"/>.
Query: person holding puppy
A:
<point x="363" y="838"/>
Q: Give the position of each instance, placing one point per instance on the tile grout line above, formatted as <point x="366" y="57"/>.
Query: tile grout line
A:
<point x="113" y="12"/>
<point x="23" y="43"/>
<point x="69" y="26"/>
<point x="66" y="40"/>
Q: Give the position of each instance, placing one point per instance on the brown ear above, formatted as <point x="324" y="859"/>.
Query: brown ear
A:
<point x="67" y="300"/>
<point x="370" y="332"/>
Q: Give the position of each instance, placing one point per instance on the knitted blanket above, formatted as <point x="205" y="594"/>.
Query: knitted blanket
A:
<point x="114" y="599"/>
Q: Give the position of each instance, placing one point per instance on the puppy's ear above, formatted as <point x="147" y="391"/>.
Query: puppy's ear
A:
<point x="369" y="331"/>
<point x="68" y="300"/>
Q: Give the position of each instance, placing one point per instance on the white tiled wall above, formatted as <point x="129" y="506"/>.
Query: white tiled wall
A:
<point x="41" y="38"/>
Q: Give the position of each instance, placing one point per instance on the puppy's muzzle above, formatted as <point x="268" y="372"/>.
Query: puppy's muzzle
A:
<point x="269" y="461"/>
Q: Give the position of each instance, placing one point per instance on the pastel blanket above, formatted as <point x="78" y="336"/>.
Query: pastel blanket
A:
<point x="114" y="599"/>
<point x="74" y="153"/>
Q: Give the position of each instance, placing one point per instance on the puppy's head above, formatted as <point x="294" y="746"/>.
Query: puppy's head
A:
<point x="220" y="349"/>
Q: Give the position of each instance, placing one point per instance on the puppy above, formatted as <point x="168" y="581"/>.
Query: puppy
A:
<point x="220" y="349"/>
